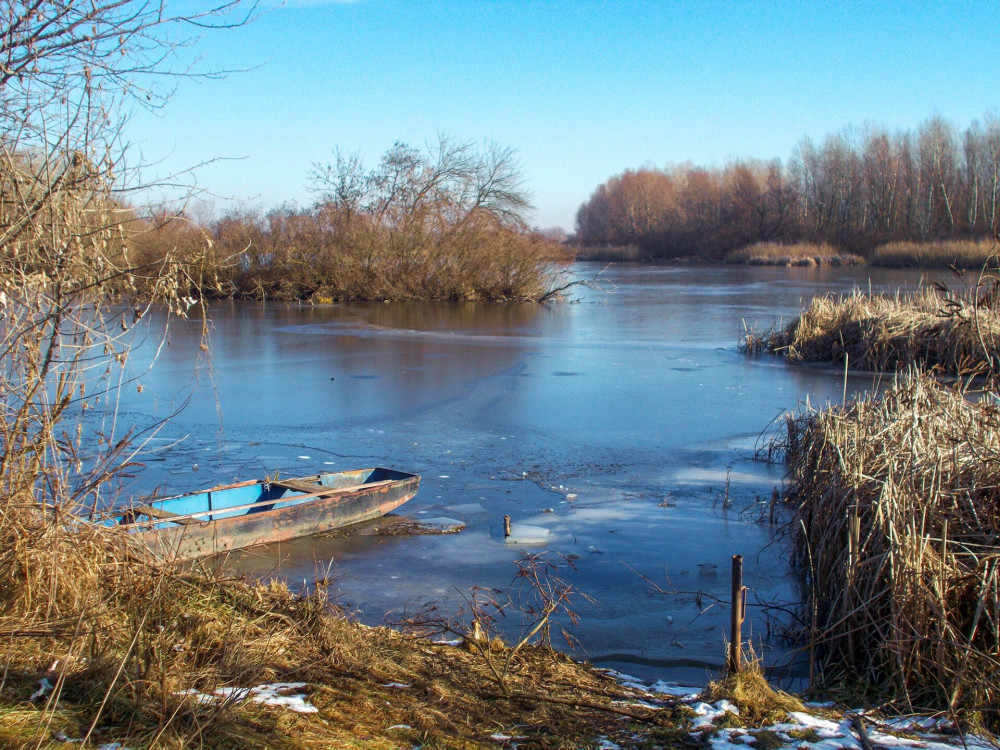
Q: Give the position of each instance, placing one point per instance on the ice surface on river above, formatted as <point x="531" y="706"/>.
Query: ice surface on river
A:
<point x="612" y="423"/>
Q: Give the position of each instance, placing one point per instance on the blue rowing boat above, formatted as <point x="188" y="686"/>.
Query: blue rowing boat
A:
<point x="256" y="512"/>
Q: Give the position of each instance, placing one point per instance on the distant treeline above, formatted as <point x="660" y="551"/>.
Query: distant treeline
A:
<point x="447" y="224"/>
<point x="859" y="189"/>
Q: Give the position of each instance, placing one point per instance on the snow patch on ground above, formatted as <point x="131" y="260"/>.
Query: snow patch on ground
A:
<point x="270" y="694"/>
<point x="804" y="730"/>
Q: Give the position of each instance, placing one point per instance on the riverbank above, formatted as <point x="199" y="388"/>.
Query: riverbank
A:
<point x="966" y="254"/>
<point x="132" y="652"/>
<point x="893" y="498"/>
<point x="794" y="254"/>
<point x="162" y="659"/>
<point x="961" y="254"/>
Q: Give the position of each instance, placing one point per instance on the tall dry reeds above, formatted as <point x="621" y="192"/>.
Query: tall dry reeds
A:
<point x="933" y="329"/>
<point x="970" y="254"/>
<point x="793" y="254"/>
<point x="896" y="528"/>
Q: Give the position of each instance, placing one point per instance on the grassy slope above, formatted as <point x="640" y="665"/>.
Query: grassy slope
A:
<point x="121" y="640"/>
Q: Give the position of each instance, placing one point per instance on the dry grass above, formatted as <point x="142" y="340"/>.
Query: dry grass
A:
<point x="966" y="254"/>
<point x="897" y="532"/>
<point x="932" y="328"/>
<point x="759" y="703"/>
<point x="121" y="639"/>
<point x="794" y="254"/>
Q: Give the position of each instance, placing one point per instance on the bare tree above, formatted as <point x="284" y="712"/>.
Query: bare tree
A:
<point x="447" y="184"/>
<point x="69" y="73"/>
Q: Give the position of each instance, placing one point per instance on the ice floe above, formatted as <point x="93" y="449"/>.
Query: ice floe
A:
<point x="522" y="533"/>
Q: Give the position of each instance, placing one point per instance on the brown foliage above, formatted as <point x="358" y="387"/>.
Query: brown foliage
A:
<point x="323" y="254"/>
<point x="689" y="212"/>
<point x="963" y="254"/>
<point x="857" y="189"/>
<point x="795" y="254"/>
<point x="445" y="225"/>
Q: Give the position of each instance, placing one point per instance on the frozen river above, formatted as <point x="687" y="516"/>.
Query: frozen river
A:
<point x="612" y="420"/>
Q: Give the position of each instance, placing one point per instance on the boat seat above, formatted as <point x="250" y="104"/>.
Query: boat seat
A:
<point x="299" y="486"/>
<point x="159" y="514"/>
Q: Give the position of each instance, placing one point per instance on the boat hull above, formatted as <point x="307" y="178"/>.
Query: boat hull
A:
<point x="249" y="514"/>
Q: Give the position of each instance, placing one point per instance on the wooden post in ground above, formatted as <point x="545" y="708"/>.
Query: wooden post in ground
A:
<point x="506" y="526"/>
<point x="736" y="621"/>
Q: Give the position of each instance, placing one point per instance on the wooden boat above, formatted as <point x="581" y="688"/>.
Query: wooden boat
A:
<point x="246" y="514"/>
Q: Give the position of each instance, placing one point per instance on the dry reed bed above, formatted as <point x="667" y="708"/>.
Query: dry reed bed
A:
<point x="965" y="254"/>
<point x="930" y="328"/>
<point x="793" y="254"/>
<point x="897" y="529"/>
<point x="121" y="639"/>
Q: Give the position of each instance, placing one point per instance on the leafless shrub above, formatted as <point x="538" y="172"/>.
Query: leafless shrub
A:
<point x="536" y="594"/>
<point x="448" y="224"/>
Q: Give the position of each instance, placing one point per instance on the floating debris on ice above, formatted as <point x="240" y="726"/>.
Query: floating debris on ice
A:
<point x="441" y="525"/>
<point x="392" y="526"/>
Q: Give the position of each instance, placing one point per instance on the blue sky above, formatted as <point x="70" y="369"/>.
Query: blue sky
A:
<point x="583" y="90"/>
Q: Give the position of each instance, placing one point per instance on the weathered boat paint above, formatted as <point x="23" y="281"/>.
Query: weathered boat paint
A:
<point x="252" y="513"/>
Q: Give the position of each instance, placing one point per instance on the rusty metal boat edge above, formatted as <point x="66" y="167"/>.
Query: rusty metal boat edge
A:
<point x="259" y="512"/>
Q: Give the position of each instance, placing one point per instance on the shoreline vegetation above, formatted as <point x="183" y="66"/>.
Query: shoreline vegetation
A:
<point x="933" y="329"/>
<point x="896" y="526"/>
<point x="120" y="650"/>
<point x="964" y="254"/>
<point x="124" y="653"/>
<point x="857" y="189"/>
<point x="795" y="254"/>
<point x="447" y="223"/>
<point x="894" y="497"/>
